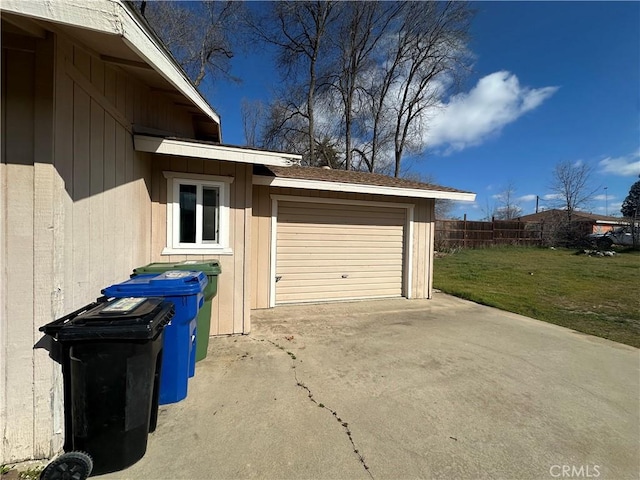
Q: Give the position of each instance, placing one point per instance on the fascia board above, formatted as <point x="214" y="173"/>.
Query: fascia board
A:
<point x="165" y="146"/>
<point x="360" y="188"/>
<point x="612" y="222"/>
<point x="136" y="37"/>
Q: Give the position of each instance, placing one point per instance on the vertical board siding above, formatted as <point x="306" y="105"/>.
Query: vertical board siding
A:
<point x="247" y="260"/>
<point x="261" y="247"/>
<point x="431" y="230"/>
<point x="81" y="186"/>
<point x="45" y="425"/>
<point x="230" y="307"/>
<point x="418" y="283"/>
<point x="76" y="213"/>
<point x="18" y="254"/>
<point x="96" y="173"/>
<point x="423" y="248"/>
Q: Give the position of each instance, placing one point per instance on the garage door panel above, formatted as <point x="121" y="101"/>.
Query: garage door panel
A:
<point x="344" y="285"/>
<point x="334" y="251"/>
<point x="331" y="262"/>
<point x="354" y="290"/>
<point x="348" y="289"/>
<point x="341" y="259"/>
<point x="292" y="210"/>
<point x="339" y="229"/>
<point x="356" y="248"/>
<point x="332" y="296"/>
<point x="371" y="236"/>
<point x="328" y="214"/>
<point x="362" y="275"/>
<point x="351" y="269"/>
<point x="349" y="244"/>
<point x="324" y="218"/>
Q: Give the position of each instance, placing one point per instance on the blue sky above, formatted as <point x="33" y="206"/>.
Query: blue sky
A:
<point x="551" y="82"/>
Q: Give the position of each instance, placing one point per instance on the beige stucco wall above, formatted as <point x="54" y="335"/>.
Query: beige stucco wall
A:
<point x="75" y="212"/>
<point x="422" y="244"/>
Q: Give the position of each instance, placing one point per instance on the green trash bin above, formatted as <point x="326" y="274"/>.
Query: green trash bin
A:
<point x="211" y="268"/>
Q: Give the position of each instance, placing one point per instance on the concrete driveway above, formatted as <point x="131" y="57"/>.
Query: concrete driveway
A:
<point x="395" y="389"/>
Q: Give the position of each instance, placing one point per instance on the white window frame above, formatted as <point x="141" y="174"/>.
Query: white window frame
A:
<point x="173" y="246"/>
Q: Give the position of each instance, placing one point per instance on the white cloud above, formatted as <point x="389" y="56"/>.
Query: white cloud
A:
<point x="527" y="198"/>
<point x="552" y="196"/>
<point x="613" y="209"/>
<point x="604" y="197"/>
<point x="470" y="118"/>
<point x="466" y="205"/>
<point x="626" y="166"/>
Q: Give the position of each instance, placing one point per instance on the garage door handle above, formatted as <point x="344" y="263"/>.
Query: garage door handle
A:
<point x="345" y="276"/>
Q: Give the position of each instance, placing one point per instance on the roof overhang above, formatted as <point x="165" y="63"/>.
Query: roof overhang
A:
<point x="113" y="17"/>
<point x="361" y="188"/>
<point x="207" y="151"/>
<point x="612" y="222"/>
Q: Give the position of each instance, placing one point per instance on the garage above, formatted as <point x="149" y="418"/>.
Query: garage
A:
<point x="330" y="250"/>
<point x="322" y="235"/>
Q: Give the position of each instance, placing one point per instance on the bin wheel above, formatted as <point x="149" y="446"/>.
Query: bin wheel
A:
<point x="69" y="466"/>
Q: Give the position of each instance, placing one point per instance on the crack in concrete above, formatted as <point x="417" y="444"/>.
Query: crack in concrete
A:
<point x="335" y="415"/>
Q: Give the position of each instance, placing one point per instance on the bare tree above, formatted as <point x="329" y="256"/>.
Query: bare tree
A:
<point x="200" y="35"/>
<point x="419" y="63"/>
<point x="434" y="36"/>
<point x="365" y="75"/>
<point x="490" y="210"/>
<point x="298" y="30"/>
<point x="571" y="184"/>
<point x="286" y="128"/>
<point x="252" y="112"/>
<point x="508" y="207"/>
<point x="572" y="189"/>
<point x="362" y="26"/>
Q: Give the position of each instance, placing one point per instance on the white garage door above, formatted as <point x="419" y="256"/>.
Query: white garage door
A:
<point x="327" y="251"/>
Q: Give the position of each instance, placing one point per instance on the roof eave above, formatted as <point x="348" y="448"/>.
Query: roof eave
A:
<point x="115" y="18"/>
<point x="361" y="188"/>
<point x="206" y="151"/>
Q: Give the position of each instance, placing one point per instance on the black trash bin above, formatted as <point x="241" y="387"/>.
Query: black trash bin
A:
<point x="112" y="356"/>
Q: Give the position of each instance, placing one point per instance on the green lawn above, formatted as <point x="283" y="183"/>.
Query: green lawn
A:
<point x="595" y="295"/>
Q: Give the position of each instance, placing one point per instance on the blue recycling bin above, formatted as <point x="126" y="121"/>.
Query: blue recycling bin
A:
<point x="185" y="290"/>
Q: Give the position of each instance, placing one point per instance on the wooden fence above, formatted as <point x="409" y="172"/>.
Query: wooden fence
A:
<point x="476" y="234"/>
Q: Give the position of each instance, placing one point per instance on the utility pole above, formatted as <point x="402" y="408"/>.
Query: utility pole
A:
<point x="606" y="202"/>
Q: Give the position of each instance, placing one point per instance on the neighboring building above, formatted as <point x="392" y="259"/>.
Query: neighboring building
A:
<point x="588" y="222"/>
<point x="111" y="159"/>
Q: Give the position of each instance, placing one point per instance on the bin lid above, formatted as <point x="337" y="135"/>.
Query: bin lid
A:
<point x="130" y="318"/>
<point x="209" y="267"/>
<point x="170" y="283"/>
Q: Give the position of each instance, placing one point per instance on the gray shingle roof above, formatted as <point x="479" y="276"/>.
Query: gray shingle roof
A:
<point x="352" y="177"/>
